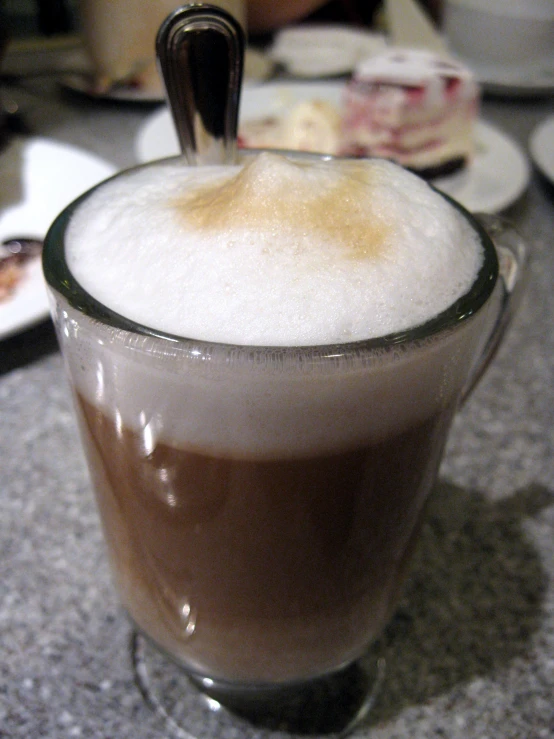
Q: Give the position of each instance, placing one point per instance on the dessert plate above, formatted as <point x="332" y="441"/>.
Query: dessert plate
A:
<point x="38" y="178"/>
<point x="157" y="139"/>
<point x="496" y="178"/>
<point x="323" y="50"/>
<point x="541" y="145"/>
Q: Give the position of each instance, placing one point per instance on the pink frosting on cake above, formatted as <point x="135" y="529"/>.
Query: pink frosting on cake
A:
<point x="412" y="106"/>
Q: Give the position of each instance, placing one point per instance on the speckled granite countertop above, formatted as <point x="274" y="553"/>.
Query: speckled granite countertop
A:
<point x="471" y="648"/>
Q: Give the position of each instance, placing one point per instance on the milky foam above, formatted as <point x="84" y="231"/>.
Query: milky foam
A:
<point x="277" y="252"/>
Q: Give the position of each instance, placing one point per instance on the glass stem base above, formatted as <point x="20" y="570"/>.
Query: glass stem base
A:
<point x="194" y="707"/>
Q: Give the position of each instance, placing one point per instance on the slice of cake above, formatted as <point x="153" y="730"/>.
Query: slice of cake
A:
<point x="311" y="125"/>
<point x="414" y="107"/>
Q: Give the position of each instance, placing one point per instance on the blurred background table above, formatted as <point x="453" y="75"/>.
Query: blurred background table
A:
<point x="471" y="648"/>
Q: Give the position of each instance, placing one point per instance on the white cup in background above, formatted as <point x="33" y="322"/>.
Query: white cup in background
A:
<point x="500" y="31"/>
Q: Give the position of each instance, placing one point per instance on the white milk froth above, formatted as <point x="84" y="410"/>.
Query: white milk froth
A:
<point x="275" y="252"/>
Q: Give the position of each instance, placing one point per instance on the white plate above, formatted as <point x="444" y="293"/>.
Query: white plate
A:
<point x="82" y="84"/>
<point x="157" y="139"/>
<point x="257" y="68"/>
<point x="495" y="179"/>
<point x="38" y="178"/>
<point x="324" y="50"/>
<point x="541" y="145"/>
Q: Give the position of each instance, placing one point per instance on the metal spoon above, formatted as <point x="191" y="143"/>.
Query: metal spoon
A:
<point x="200" y="51"/>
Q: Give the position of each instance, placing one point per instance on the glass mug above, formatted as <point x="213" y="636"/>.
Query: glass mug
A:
<point x="267" y="561"/>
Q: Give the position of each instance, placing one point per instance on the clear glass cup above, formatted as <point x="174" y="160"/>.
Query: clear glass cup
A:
<point x="260" y="504"/>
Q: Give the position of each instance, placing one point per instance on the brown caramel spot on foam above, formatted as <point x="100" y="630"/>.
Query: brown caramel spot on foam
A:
<point x="262" y="200"/>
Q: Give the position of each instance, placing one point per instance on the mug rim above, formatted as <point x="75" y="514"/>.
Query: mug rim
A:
<point x="60" y="279"/>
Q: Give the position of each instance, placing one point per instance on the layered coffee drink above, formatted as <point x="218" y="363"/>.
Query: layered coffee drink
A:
<point x="272" y="360"/>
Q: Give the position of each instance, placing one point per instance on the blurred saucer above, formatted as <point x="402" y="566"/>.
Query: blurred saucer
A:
<point x="495" y="179"/>
<point x="324" y="51"/>
<point x="541" y="145"/>
<point x="257" y="68"/>
<point x="82" y="83"/>
<point x="38" y="178"/>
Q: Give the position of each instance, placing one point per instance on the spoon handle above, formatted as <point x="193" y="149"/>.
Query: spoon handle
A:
<point x="200" y="51"/>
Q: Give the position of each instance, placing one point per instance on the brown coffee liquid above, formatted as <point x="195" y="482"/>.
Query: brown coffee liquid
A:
<point x="264" y="570"/>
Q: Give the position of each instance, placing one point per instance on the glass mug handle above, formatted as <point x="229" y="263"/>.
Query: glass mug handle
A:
<point x="512" y="262"/>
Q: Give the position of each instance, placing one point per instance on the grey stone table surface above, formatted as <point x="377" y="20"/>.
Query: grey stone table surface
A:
<point x="470" y="651"/>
